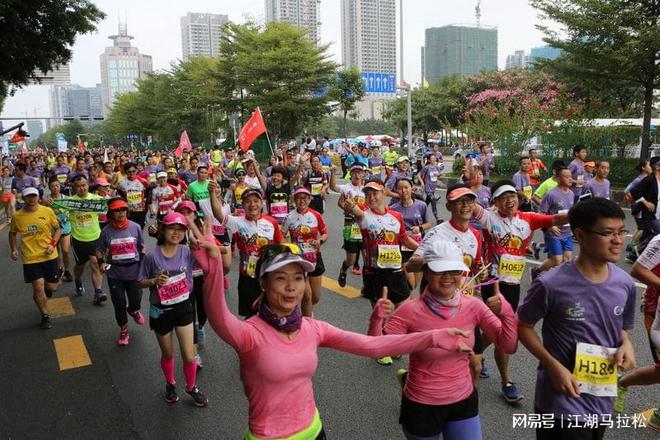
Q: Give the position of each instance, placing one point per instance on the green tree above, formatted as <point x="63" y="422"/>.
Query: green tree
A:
<point x="38" y="34"/>
<point x="347" y="90"/>
<point x="612" y="40"/>
<point x="278" y="69"/>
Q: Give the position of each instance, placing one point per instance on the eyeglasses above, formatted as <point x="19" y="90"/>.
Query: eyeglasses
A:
<point x="451" y="273"/>
<point x="465" y="201"/>
<point x="611" y="234"/>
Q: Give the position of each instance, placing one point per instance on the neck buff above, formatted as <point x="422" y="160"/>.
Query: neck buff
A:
<point x="287" y="324"/>
<point x="445" y="309"/>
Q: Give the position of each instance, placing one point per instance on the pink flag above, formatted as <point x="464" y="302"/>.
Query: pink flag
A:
<point x="184" y="144"/>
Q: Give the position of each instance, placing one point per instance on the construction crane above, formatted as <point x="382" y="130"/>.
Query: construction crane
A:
<point x="477" y="13"/>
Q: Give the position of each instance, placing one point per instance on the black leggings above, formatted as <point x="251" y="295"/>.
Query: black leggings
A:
<point x="119" y="290"/>
<point x="198" y="294"/>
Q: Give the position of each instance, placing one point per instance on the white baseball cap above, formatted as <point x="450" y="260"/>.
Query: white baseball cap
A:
<point x="281" y="260"/>
<point x="161" y="174"/>
<point x="30" y="191"/>
<point x="444" y="256"/>
<point x="503" y="189"/>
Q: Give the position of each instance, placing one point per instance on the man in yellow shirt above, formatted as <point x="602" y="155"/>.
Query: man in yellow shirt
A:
<point x="40" y="232"/>
<point x="85" y="234"/>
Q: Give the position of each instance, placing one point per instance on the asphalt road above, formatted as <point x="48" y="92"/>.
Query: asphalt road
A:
<point x="120" y="395"/>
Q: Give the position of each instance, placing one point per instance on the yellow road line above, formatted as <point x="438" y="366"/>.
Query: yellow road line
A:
<point x="348" y="291"/>
<point x="71" y="352"/>
<point x="59" y="307"/>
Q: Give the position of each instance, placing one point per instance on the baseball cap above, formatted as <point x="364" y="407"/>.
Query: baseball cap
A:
<point x="591" y="164"/>
<point x="503" y="189"/>
<point x="459" y="192"/>
<point x="161" y="174"/>
<point x="175" y="218"/>
<point x="186" y="204"/>
<point x="402" y="159"/>
<point x="444" y="256"/>
<point x="301" y="191"/>
<point x="376" y="186"/>
<point x="252" y="192"/>
<point x="30" y="191"/>
<point x="282" y="259"/>
<point x="101" y="181"/>
<point x="171" y="170"/>
<point x="357" y="168"/>
<point x="117" y="204"/>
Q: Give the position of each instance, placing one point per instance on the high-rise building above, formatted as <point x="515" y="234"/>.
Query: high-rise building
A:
<point x="121" y="66"/>
<point x="76" y="102"/>
<point x="60" y="75"/>
<point x="547" y="52"/>
<point x="423" y="65"/>
<point x="462" y="50"/>
<point x="201" y="34"/>
<point x="35" y="128"/>
<point x="368" y="35"/>
<point x="302" y="13"/>
<point x="517" y="60"/>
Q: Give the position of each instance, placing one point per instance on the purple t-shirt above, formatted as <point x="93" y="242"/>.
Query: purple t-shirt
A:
<point x="62" y="174"/>
<point x="521" y="180"/>
<point x="598" y="189"/>
<point x="579" y="176"/>
<point x="391" y="181"/>
<point x="430" y="173"/>
<point x="155" y="263"/>
<point x="123" y="251"/>
<point x="19" y="185"/>
<point x="415" y="214"/>
<point x="483" y="200"/>
<point x="575" y="310"/>
<point x="554" y="201"/>
<point x="489" y="165"/>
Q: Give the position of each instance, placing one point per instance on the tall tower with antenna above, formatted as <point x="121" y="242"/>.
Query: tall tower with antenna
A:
<point x="477" y="13"/>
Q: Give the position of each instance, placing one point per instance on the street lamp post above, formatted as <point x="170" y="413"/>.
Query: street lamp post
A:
<point x="408" y="90"/>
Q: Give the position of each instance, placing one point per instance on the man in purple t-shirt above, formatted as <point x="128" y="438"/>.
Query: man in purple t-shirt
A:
<point x="588" y="309"/>
<point x="558" y="239"/>
<point x="577" y="168"/>
<point x="486" y="162"/>
<point x="599" y="186"/>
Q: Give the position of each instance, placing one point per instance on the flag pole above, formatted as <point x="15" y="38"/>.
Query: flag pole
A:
<point x="267" y="137"/>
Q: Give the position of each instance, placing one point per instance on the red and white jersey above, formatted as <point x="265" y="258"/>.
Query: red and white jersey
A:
<point x="468" y="241"/>
<point x="135" y="191"/>
<point x="509" y="238"/>
<point x="163" y="198"/>
<point x="650" y="259"/>
<point x="304" y="227"/>
<point x="350" y="191"/>
<point x="250" y="237"/>
<point x="382" y="235"/>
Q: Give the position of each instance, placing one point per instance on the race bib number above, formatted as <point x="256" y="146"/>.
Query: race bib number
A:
<point x="376" y="170"/>
<point x="580" y="180"/>
<point x="123" y="249"/>
<point x="417" y="237"/>
<point x="251" y="266"/>
<point x="217" y="229"/>
<point x="152" y="177"/>
<point x="197" y="272"/>
<point x="595" y="370"/>
<point x="433" y="176"/>
<point x="84" y="219"/>
<point x="527" y="192"/>
<point x="316" y="189"/>
<point x="309" y="252"/>
<point x="511" y="268"/>
<point x="389" y="256"/>
<point x="175" y="290"/>
<point x="134" y="199"/>
<point x="356" y="234"/>
<point x="164" y="207"/>
<point x="61" y="178"/>
<point x="279" y="209"/>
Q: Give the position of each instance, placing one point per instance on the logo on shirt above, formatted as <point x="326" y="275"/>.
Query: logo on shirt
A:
<point x="575" y="313"/>
<point x="618" y="310"/>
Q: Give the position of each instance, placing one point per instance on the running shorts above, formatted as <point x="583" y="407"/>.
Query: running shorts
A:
<point x="373" y="282"/>
<point x="45" y="269"/>
<point x="163" y="320"/>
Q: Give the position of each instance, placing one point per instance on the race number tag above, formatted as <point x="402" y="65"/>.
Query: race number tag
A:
<point x="511" y="268"/>
<point x="309" y="252"/>
<point x="134" y="199"/>
<point x="389" y="256"/>
<point x="433" y="176"/>
<point x="356" y="234"/>
<point x="123" y="249"/>
<point x="62" y="178"/>
<point x="316" y="189"/>
<point x="418" y="239"/>
<point x="375" y="170"/>
<point x="527" y="191"/>
<point x="251" y="266"/>
<point x="279" y="209"/>
<point x="217" y="229"/>
<point x="595" y="370"/>
<point x="580" y="181"/>
<point x="175" y="290"/>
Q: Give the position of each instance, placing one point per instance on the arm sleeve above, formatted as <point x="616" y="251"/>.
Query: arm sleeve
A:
<point x="379" y="346"/>
<point x="503" y="329"/>
<point x="231" y="329"/>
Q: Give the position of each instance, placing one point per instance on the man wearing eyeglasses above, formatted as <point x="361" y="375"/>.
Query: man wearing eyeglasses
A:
<point x="588" y="309"/>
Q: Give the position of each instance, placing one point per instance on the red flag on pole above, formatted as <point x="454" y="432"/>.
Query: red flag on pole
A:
<point x="252" y="129"/>
<point x="184" y="144"/>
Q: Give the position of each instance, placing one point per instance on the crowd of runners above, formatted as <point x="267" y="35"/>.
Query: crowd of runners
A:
<point x="442" y="288"/>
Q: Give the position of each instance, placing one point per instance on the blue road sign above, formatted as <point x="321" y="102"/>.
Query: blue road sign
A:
<point x="376" y="82"/>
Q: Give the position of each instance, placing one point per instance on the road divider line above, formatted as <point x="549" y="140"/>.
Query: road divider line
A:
<point x="60" y="307"/>
<point x="71" y="352"/>
<point x="332" y="285"/>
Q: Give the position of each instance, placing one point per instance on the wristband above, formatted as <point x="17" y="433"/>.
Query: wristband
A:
<point x="53" y="242"/>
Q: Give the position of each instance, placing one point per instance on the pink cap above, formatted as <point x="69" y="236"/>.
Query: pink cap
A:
<point x="186" y="204"/>
<point x="301" y="191"/>
<point x="102" y="182"/>
<point x="175" y="218"/>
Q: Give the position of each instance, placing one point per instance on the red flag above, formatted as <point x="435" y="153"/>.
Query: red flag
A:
<point x="184" y="144"/>
<point x="252" y="129"/>
<point x="81" y="146"/>
<point x="18" y="137"/>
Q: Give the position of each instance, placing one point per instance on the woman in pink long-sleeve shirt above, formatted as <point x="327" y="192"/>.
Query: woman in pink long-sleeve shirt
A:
<point x="277" y="348"/>
<point x="439" y="396"/>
